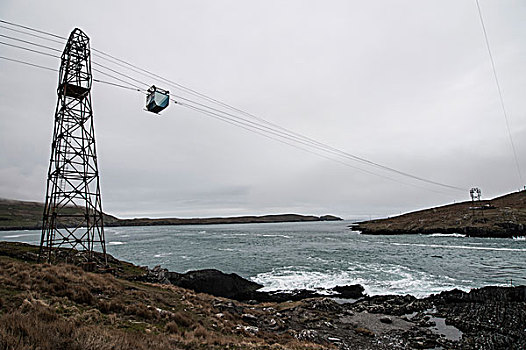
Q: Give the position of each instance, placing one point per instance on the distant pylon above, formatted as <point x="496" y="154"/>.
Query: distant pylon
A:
<point x="73" y="210"/>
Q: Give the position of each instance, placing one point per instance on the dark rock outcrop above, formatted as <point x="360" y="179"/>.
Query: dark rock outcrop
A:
<point x="354" y="291"/>
<point x="233" y="286"/>
<point x="214" y="282"/>
<point x="484" y="318"/>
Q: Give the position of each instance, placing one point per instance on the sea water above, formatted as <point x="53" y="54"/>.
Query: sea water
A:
<point x="320" y="255"/>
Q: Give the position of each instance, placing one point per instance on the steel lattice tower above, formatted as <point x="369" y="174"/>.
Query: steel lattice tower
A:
<point x="73" y="210"/>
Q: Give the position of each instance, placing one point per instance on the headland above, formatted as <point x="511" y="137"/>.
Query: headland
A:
<point x="503" y="216"/>
<point x="23" y="215"/>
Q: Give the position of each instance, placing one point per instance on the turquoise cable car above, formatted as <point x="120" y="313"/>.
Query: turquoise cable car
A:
<point x="157" y="99"/>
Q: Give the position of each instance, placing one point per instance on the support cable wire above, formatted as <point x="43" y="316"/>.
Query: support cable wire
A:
<point x="282" y="132"/>
<point x="239" y="124"/>
<point x="31" y="43"/>
<point x="28" y="49"/>
<point x="231" y="121"/>
<point x="298" y="137"/>
<point x="305" y="140"/>
<point x="63" y="42"/>
<point x="57" y="50"/>
<point x="56" y="70"/>
<point x="245" y="127"/>
<point x="217" y="116"/>
<point x="33" y="29"/>
<point x="253" y="125"/>
<point x="117" y="85"/>
<point x="504" y="112"/>
<point x="28" y="63"/>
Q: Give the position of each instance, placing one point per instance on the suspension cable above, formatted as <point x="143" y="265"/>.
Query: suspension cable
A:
<point x="501" y="98"/>
<point x="268" y="128"/>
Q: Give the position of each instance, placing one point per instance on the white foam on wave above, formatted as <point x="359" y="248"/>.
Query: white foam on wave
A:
<point x="519" y="238"/>
<point x="20" y="235"/>
<point x="317" y="260"/>
<point x="396" y="279"/>
<point x="290" y="278"/>
<point x="201" y="232"/>
<point x="460" y="247"/>
<point x="116" y="243"/>
<point x="162" y="255"/>
<point x="375" y="278"/>
<point x="459" y="235"/>
<point x="274" y="235"/>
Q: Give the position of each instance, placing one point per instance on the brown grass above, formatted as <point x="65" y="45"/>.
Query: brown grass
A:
<point x="63" y="307"/>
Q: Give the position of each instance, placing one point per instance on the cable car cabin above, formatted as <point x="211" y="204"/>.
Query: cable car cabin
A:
<point x="157" y="99"/>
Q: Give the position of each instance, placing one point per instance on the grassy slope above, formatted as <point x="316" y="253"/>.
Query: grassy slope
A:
<point x="28" y="215"/>
<point x="506" y="217"/>
<point x="64" y="307"/>
<point x="50" y="307"/>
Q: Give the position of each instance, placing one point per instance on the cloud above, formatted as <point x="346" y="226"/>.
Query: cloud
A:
<point x="408" y="85"/>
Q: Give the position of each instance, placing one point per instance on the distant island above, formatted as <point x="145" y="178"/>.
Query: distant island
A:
<point x="22" y="215"/>
<point x="503" y="216"/>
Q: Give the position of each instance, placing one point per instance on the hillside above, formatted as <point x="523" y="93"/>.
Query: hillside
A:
<point x="62" y="306"/>
<point x="503" y="216"/>
<point x="21" y="215"/>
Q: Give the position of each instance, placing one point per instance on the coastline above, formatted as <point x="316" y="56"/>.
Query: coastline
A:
<point x="138" y="308"/>
<point x="21" y="215"/>
<point x="501" y="217"/>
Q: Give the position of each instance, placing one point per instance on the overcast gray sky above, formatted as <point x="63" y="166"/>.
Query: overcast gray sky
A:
<point x="406" y="83"/>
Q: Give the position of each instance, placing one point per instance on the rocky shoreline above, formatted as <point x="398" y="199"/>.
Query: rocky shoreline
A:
<point x="124" y="306"/>
<point x="235" y="287"/>
<point x="485" y="318"/>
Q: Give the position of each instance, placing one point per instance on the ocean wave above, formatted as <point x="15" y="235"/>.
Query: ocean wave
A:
<point x="116" y="243"/>
<point x="162" y="255"/>
<point x="377" y="279"/>
<point x="460" y="247"/>
<point x="447" y="235"/>
<point x="289" y="279"/>
<point x="273" y="235"/>
<point x="20" y="235"/>
<point x="229" y="235"/>
<point x="317" y="259"/>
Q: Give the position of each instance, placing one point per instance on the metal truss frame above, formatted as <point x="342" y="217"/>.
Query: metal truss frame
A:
<point x="73" y="216"/>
